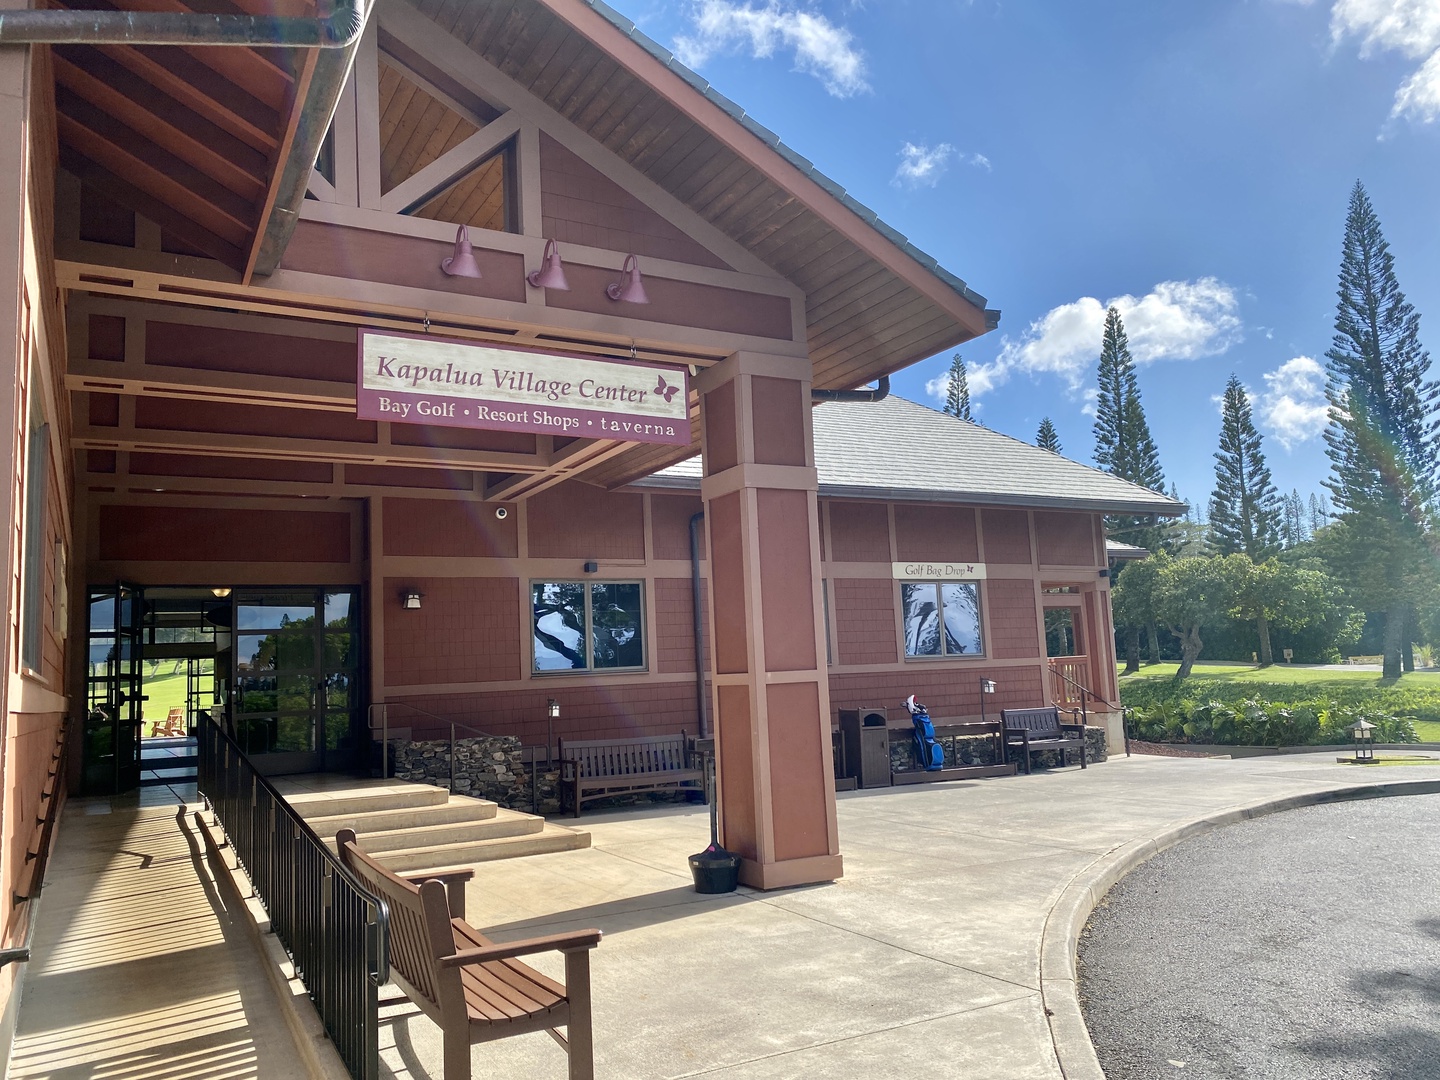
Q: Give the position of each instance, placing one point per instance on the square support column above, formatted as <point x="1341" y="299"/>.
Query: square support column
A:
<point x="771" y="692"/>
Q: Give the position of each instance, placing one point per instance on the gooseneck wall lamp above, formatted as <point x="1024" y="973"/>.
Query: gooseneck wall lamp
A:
<point x="462" y="263"/>
<point x="551" y="274"/>
<point x="630" y="288"/>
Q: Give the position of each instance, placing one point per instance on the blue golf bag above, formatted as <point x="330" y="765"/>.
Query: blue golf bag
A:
<point x="929" y="753"/>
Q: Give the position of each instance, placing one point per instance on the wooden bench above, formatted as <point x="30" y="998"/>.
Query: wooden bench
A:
<point x="473" y="988"/>
<point x="1033" y="730"/>
<point x="592" y="769"/>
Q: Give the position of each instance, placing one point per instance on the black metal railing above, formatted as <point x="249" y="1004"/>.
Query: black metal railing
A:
<point x="1085" y="692"/>
<point x="335" y="930"/>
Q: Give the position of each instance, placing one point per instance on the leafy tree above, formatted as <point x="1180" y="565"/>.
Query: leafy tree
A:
<point x="957" y="390"/>
<point x="1132" y="602"/>
<point x="1273" y="592"/>
<point x="1193" y="592"/>
<point x="1383" y="442"/>
<point x="1245" y="509"/>
<point x="1046" y="438"/>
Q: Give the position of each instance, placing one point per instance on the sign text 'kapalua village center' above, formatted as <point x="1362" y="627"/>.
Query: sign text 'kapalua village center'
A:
<point x="486" y="375"/>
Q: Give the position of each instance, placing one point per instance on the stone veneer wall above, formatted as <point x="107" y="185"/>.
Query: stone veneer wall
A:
<point x="485" y="768"/>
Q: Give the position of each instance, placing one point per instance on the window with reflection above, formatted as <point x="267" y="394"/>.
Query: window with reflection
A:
<point x="941" y="618"/>
<point x="295" y="659"/>
<point x="587" y="626"/>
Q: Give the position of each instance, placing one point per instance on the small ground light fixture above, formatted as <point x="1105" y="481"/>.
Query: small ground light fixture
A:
<point x="411" y="600"/>
<point x="1363" y="732"/>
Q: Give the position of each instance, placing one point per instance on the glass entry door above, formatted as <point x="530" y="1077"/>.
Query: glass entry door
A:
<point x="294" y="701"/>
<point x="115" y="636"/>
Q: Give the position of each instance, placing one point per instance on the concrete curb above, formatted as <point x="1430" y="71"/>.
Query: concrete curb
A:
<point x="322" y="1060"/>
<point x="1059" y="942"/>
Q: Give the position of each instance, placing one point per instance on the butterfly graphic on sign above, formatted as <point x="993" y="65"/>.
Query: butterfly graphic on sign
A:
<point x="665" y="390"/>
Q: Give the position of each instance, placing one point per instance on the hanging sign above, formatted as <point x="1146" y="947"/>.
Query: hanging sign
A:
<point x="938" y="571"/>
<point x="414" y="379"/>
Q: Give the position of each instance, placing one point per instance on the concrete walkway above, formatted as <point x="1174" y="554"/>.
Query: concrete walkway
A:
<point x="139" y="969"/>
<point x="947" y="949"/>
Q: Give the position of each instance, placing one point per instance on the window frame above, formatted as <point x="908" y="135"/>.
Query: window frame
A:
<point x="589" y="652"/>
<point x="975" y="583"/>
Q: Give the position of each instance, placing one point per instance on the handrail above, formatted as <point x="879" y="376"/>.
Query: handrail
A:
<point x="1084" y="716"/>
<point x="41" y="855"/>
<point x="334" y="928"/>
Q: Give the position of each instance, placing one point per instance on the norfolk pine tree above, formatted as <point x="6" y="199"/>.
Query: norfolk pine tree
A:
<point x="1124" y="447"/>
<point x="1046" y="438"/>
<point x="957" y="390"/>
<point x="1382" y="440"/>
<point x="1245" y="509"/>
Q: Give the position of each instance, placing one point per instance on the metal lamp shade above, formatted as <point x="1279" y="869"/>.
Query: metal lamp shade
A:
<point x="462" y="263"/>
<point x="551" y="274"/>
<point x="630" y="288"/>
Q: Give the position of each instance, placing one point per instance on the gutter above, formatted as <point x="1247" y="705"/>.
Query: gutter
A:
<point x="339" y="30"/>
<point x="699" y="629"/>
<point x="880" y="393"/>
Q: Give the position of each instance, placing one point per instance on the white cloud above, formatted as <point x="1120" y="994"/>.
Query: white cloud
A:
<point x="1177" y="320"/>
<point x="1419" y="96"/>
<point x="821" y="48"/>
<point x="922" y="166"/>
<point x="1293" y="407"/>
<point x="1409" y="27"/>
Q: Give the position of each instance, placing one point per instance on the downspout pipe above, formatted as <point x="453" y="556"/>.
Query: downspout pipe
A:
<point x="339" y="29"/>
<point x="699" y="630"/>
<point x="880" y="393"/>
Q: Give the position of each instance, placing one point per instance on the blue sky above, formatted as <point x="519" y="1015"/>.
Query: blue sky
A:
<point x="1190" y="162"/>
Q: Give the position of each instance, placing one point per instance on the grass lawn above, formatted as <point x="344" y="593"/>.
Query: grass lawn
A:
<point x="1287" y="674"/>
<point x="1415" y="695"/>
<point x="165" y="692"/>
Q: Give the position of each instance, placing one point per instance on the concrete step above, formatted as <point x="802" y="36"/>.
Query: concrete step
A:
<point x="363" y="798"/>
<point x="365" y="822"/>
<point x="434" y="857"/>
<point x="502" y="824"/>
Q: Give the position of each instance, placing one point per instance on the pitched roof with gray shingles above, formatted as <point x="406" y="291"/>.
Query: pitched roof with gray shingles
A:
<point x="898" y="449"/>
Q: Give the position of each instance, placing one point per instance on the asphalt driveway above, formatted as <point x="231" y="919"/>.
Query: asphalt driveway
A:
<point x="1303" y="944"/>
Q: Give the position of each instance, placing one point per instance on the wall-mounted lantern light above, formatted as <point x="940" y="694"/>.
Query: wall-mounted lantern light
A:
<point x="551" y="274"/>
<point x="629" y="288"/>
<point x="462" y="263"/>
<point x="410" y="600"/>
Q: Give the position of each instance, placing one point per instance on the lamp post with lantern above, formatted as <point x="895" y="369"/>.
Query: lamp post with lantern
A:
<point x="1363" y="734"/>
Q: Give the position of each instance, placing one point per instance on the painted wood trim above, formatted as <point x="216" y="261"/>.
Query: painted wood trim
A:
<point x="473" y="71"/>
<point x="449" y="167"/>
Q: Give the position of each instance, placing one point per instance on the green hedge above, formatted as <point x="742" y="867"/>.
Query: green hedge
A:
<point x="1418" y="700"/>
<point x="1262" y="723"/>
